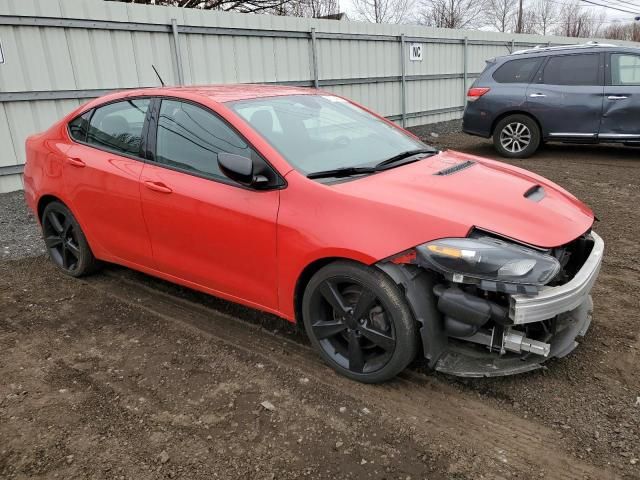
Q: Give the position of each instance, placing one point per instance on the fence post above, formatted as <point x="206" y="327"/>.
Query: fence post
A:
<point x="176" y="45"/>
<point x="465" y="70"/>
<point x="403" y="77"/>
<point x="513" y="46"/>
<point x="314" y="56"/>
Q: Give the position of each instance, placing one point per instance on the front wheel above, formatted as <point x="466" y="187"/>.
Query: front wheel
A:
<point x="359" y="321"/>
<point x="517" y="136"/>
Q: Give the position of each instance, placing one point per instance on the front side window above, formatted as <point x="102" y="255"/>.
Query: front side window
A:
<point x="581" y="69"/>
<point x="625" y="69"/>
<point x="190" y="138"/>
<point x="118" y="126"/>
<point x="517" y="71"/>
<point x="321" y="132"/>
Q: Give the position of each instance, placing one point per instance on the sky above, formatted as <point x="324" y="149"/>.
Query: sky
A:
<point x="613" y="15"/>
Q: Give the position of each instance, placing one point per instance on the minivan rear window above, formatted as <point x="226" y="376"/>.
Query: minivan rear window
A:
<point x="517" y="71"/>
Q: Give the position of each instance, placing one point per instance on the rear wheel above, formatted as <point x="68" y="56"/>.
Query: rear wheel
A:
<point x="359" y="321"/>
<point x="65" y="241"/>
<point x="516" y="136"/>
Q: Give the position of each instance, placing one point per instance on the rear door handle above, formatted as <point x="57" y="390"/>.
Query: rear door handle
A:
<point x="76" y="162"/>
<point x="157" y="186"/>
<point x="617" y="97"/>
<point x="537" y="95"/>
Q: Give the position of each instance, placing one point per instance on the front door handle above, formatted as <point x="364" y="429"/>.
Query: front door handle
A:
<point x="157" y="186"/>
<point x="537" y="95"/>
<point x="617" y="97"/>
<point x="76" y="162"/>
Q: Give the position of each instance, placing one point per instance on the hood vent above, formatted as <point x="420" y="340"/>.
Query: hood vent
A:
<point x="455" y="168"/>
<point x="535" y="193"/>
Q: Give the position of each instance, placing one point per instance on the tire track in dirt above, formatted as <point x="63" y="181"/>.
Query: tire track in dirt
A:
<point x="506" y="442"/>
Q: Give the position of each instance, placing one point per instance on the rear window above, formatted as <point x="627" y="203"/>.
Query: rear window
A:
<point x="79" y="127"/>
<point x="118" y="126"/>
<point x="581" y="69"/>
<point x="517" y="71"/>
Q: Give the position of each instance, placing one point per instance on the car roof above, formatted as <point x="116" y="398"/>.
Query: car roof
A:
<point x="227" y="93"/>
<point x="544" y="51"/>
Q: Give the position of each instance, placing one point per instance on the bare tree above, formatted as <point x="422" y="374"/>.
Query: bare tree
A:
<point x="576" y="22"/>
<point x="545" y="12"/>
<point x="452" y="13"/>
<point x="502" y="14"/>
<point x="245" y="6"/>
<point x="307" y="8"/>
<point x="383" y="11"/>
<point x="529" y="22"/>
<point x="623" y="31"/>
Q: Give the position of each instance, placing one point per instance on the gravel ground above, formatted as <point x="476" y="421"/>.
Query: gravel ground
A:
<point x="19" y="232"/>
<point x="120" y="375"/>
<point x="430" y="133"/>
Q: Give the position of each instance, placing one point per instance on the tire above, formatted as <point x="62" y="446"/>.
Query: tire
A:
<point x="65" y="241"/>
<point x="349" y="308"/>
<point x="517" y="136"/>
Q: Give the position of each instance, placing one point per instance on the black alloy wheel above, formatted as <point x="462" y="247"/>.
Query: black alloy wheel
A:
<point x="65" y="241"/>
<point x="359" y="321"/>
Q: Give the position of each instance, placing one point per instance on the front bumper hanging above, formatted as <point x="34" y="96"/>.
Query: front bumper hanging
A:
<point x="508" y="350"/>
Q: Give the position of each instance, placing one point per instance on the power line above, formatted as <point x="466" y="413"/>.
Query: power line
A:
<point x="611" y="8"/>
<point x="628" y="3"/>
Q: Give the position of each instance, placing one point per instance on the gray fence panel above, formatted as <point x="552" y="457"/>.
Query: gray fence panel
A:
<point x="61" y="53"/>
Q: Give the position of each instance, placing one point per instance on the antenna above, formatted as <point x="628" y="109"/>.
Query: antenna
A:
<point x="159" y="77"/>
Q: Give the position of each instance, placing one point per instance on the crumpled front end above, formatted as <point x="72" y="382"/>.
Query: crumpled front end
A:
<point x="476" y="327"/>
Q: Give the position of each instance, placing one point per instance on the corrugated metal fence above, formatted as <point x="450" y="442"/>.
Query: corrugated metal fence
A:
<point x="59" y="53"/>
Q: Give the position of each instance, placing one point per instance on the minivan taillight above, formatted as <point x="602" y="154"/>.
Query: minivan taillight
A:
<point x="475" y="93"/>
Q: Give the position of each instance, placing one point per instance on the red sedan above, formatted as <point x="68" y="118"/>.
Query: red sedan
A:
<point x="303" y="204"/>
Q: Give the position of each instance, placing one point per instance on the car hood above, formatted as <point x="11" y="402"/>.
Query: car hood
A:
<point x="467" y="191"/>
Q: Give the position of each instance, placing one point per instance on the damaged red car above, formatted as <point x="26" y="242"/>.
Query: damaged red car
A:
<point x="303" y="204"/>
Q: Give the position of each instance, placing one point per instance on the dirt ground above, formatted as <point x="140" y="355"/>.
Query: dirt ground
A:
<point x="120" y="375"/>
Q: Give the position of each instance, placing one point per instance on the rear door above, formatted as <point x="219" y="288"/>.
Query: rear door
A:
<point x="567" y="94"/>
<point x="102" y="177"/>
<point x="621" y="114"/>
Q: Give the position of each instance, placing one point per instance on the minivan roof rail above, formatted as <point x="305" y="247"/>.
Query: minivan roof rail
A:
<point x="544" y="48"/>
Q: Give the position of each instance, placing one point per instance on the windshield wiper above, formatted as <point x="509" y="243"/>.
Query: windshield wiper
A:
<point x="384" y="165"/>
<point x="343" y="172"/>
<point x="404" y="155"/>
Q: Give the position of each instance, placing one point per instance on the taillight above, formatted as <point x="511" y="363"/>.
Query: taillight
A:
<point x="475" y="93"/>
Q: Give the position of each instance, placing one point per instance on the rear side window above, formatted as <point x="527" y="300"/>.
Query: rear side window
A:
<point x="118" y="126"/>
<point x="625" y="69"/>
<point x="572" y="70"/>
<point x="79" y="127"/>
<point x="189" y="138"/>
<point x="517" y="71"/>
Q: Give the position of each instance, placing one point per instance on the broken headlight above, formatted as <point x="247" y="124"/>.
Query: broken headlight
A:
<point x="472" y="260"/>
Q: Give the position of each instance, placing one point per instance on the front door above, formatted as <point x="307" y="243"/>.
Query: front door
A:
<point x="566" y="96"/>
<point x="621" y="114"/>
<point x="102" y="175"/>
<point x="204" y="228"/>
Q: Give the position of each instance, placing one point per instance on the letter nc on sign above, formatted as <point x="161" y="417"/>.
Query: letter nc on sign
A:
<point x="415" y="52"/>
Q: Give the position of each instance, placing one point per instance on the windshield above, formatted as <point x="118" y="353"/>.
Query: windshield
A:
<point x="315" y="133"/>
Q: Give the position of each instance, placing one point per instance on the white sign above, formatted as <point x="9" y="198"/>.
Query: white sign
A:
<point x="1" y="54"/>
<point x="415" y="52"/>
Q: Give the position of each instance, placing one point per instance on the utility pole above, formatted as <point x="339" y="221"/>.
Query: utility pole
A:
<point x="636" y="37"/>
<point x="519" y="26"/>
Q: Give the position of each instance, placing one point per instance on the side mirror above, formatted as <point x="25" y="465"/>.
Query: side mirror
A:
<point x="240" y="169"/>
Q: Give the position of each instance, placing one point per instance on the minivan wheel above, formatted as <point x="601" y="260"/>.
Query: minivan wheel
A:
<point x="67" y="246"/>
<point x="516" y="136"/>
<point x="359" y="321"/>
